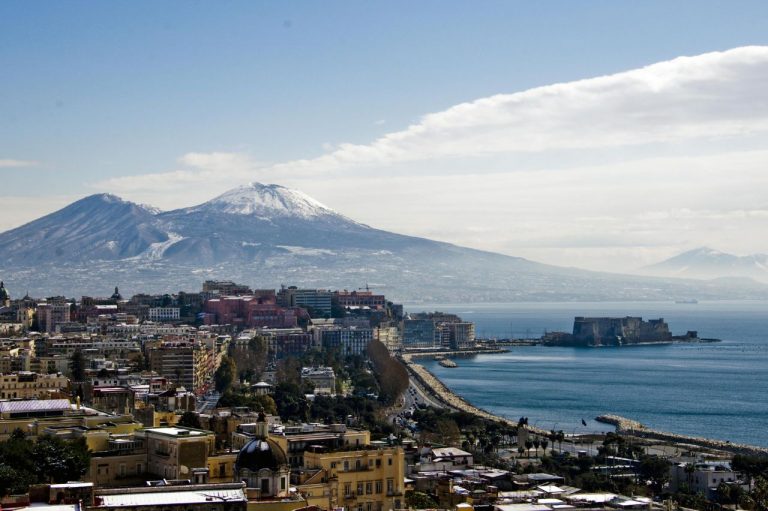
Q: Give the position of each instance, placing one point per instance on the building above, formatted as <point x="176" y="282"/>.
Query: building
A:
<point x="359" y="479"/>
<point x="346" y="340"/>
<point x="185" y="364"/>
<point x="460" y="335"/>
<point x="702" y="477"/>
<point x="617" y="331"/>
<point x="193" y="497"/>
<point x="225" y="288"/>
<point x="161" y="314"/>
<point x="317" y="301"/>
<point x="51" y="314"/>
<point x="173" y="452"/>
<point x="360" y="299"/>
<point x="323" y="379"/>
<point x="419" y="333"/>
<point x="263" y="465"/>
<point x="28" y="385"/>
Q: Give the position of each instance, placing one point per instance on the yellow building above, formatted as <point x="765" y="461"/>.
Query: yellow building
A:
<point x="358" y="479"/>
<point x="60" y="417"/>
<point x="173" y="452"/>
<point x="27" y="385"/>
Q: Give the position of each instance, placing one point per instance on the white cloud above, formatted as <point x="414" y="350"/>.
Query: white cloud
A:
<point x="10" y="164"/>
<point x="607" y="172"/>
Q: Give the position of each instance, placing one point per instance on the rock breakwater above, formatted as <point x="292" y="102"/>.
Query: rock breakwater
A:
<point x="635" y="428"/>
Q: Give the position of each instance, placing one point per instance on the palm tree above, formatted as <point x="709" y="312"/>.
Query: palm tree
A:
<point x="536" y="444"/>
<point x="528" y="446"/>
<point x="544" y="444"/>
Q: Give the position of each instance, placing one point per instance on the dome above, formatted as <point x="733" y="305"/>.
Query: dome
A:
<point x="260" y="453"/>
<point x="4" y="293"/>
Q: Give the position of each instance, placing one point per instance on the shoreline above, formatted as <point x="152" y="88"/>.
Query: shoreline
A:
<point x="437" y="389"/>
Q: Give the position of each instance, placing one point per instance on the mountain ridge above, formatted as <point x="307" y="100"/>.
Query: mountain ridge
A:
<point x="708" y="263"/>
<point x="275" y="235"/>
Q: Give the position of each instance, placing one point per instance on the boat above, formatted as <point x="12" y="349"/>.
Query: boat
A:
<point x="447" y="362"/>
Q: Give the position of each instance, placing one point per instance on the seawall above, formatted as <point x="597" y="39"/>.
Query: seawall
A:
<point x="635" y="428"/>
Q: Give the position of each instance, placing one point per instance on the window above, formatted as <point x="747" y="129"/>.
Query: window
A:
<point x="333" y="464"/>
<point x="379" y="486"/>
<point x="389" y="461"/>
<point x="390" y="486"/>
<point x="368" y="488"/>
<point x="359" y="488"/>
<point x="378" y="463"/>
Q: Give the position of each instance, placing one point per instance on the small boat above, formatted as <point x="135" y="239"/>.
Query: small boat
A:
<point x="447" y="362"/>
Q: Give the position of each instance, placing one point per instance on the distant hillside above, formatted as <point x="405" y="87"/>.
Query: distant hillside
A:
<point x="706" y="263"/>
<point x="267" y="235"/>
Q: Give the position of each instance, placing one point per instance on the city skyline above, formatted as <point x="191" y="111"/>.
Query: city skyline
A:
<point x="569" y="151"/>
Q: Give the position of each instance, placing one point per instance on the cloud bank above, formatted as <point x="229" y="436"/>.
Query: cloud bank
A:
<point x="611" y="172"/>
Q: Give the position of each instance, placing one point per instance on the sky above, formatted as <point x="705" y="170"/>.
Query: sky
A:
<point x="597" y="134"/>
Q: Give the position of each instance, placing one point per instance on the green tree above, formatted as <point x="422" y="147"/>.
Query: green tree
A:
<point x="58" y="461"/>
<point x="224" y="378"/>
<point x="190" y="420"/>
<point x="759" y="494"/>
<point x="419" y="500"/>
<point x="655" y="470"/>
<point x="77" y="365"/>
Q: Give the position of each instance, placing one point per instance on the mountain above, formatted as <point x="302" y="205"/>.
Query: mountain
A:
<point x="267" y="235"/>
<point x="99" y="227"/>
<point x="706" y="263"/>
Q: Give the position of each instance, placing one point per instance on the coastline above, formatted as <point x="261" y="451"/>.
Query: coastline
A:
<point x="440" y="392"/>
<point x="437" y="389"/>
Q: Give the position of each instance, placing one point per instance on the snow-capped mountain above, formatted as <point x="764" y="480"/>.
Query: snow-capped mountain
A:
<point x="265" y="235"/>
<point x="267" y="202"/>
<point x="706" y="263"/>
<point x="98" y="227"/>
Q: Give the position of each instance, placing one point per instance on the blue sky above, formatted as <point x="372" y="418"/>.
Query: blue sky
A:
<point x="91" y="91"/>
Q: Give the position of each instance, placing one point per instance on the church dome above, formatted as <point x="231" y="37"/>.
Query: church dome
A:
<point x="4" y="293"/>
<point x="260" y="453"/>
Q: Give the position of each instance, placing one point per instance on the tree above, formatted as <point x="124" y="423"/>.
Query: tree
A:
<point x="77" y="365"/>
<point x="58" y="461"/>
<point x="391" y="374"/>
<point x="528" y="447"/>
<point x="419" y="500"/>
<point x="759" y="494"/>
<point x="225" y="375"/>
<point x="190" y="420"/>
<point x="655" y="470"/>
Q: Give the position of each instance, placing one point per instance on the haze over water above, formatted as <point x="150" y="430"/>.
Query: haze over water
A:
<point x="717" y="390"/>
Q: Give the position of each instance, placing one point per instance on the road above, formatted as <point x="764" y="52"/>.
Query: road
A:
<point x="207" y="403"/>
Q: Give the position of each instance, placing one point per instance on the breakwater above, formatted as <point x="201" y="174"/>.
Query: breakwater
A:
<point x="453" y="353"/>
<point x="635" y="428"/>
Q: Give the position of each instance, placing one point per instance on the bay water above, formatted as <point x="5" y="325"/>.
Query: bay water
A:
<point x="716" y="390"/>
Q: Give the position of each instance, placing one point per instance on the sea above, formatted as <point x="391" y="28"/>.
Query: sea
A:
<point x="715" y="390"/>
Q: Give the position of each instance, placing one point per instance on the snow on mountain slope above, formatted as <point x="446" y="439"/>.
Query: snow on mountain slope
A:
<point x="267" y="202"/>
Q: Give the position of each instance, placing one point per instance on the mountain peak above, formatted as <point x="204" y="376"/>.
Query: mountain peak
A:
<point x="267" y="201"/>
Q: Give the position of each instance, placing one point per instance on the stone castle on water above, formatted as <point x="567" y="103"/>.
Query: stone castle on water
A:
<point x="615" y="332"/>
